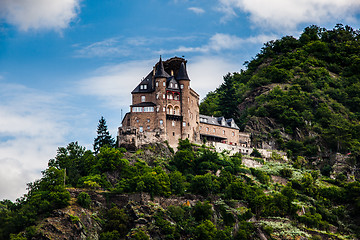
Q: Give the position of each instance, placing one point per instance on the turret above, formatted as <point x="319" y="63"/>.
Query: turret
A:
<point x="160" y="72"/>
<point x="182" y="74"/>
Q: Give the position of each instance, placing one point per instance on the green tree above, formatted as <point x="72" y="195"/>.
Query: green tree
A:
<point x="103" y="136"/>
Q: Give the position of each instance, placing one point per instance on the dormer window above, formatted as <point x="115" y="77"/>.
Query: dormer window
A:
<point x="176" y="86"/>
<point x="143" y="86"/>
<point x="171" y="85"/>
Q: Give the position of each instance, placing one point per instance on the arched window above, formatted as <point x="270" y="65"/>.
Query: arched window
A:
<point x="170" y="110"/>
<point x="176" y="96"/>
<point x="176" y="110"/>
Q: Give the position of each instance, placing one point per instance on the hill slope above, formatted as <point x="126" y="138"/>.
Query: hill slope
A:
<point x="301" y="95"/>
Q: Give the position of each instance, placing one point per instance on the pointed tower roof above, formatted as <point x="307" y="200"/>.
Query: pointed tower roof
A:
<point x="182" y="74"/>
<point x="160" y="72"/>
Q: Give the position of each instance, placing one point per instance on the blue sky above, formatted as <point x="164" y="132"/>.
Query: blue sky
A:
<point x="66" y="63"/>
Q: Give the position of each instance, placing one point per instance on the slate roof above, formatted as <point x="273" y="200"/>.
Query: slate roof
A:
<point x="182" y="74"/>
<point x="175" y="64"/>
<point x="144" y="104"/>
<point x="160" y="71"/>
<point x="219" y="121"/>
<point x="173" y="81"/>
<point x="146" y="81"/>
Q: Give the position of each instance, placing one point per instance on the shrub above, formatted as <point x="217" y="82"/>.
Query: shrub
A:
<point x="286" y="172"/>
<point x="202" y="211"/>
<point x="256" y="153"/>
<point x="84" y="200"/>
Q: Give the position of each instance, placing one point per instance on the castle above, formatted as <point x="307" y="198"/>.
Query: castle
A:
<point x="165" y="108"/>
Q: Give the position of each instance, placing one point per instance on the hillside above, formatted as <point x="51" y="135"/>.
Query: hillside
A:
<point x="195" y="193"/>
<point x="300" y="95"/>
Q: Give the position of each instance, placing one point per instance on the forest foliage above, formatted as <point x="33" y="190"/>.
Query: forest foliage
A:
<point x="314" y="86"/>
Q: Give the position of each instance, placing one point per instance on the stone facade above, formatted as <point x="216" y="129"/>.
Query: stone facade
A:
<point x="165" y="108"/>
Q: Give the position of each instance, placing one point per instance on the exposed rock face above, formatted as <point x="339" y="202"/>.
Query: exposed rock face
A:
<point x="72" y="222"/>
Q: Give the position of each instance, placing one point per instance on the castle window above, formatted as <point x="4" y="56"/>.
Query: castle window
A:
<point x="233" y="133"/>
<point x="161" y="122"/>
<point x="184" y="124"/>
<point x="176" y="86"/>
<point x="164" y="96"/>
<point x="148" y="109"/>
<point x="141" y="129"/>
<point x="171" y="84"/>
<point x="170" y="96"/>
<point x="173" y="123"/>
<point x="164" y="109"/>
<point x="157" y="96"/>
<point x="137" y="120"/>
<point x="214" y="130"/>
<point x="176" y="97"/>
<point x="224" y="132"/>
<point x="173" y="133"/>
<point x="137" y="109"/>
<point x="148" y="120"/>
<point x="164" y="84"/>
<point x="145" y="86"/>
<point x="143" y="99"/>
<point x="170" y="110"/>
<point x="176" y="110"/>
<point x="207" y="129"/>
<point x="148" y="127"/>
<point x="157" y="84"/>
<point x="181" y="86"/>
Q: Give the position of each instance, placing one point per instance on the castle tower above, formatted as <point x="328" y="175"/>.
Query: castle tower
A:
<point x="189" y="107"/>
<point x="159" y="78"/>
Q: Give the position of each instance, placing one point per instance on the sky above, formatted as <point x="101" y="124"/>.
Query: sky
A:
<point x="66" y="63"/>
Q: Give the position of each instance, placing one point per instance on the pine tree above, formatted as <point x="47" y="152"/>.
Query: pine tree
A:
<point x="103" y="136"/>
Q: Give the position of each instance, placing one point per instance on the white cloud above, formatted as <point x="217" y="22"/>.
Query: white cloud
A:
<point x="31" y="129"/>
<point x="220" y="42"/>
<point x="286" y="15"/>
<point x="196" y="10"/>
<point x="39" y="14"/>
<point x="120" y="46"/>
<point x="206" y="73"/>
<point x="114" y="83"/>
<point x="107" y="48"/>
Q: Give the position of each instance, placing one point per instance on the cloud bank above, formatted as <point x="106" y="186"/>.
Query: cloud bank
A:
<point x="39" y="14"/>
<point x="220" y="42"/>
<point x="283" y="15"/>
<point x="31" y="129"/>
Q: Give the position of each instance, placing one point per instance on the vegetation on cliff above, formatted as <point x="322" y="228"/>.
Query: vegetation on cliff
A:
<point x="310" y="86"/>
<point x="212" y="196"/>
